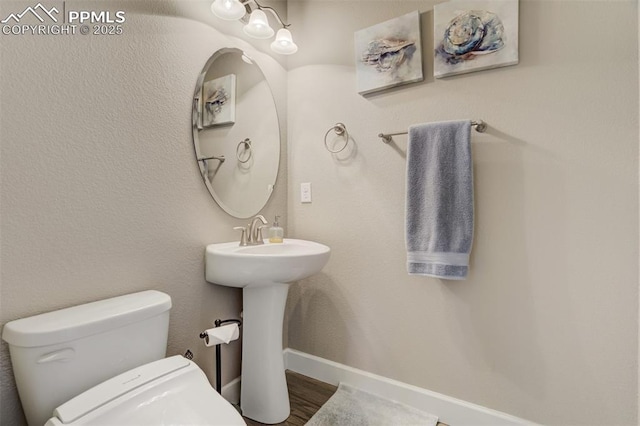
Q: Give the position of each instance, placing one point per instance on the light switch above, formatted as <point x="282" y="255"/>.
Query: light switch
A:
<point x="305" y="192"/>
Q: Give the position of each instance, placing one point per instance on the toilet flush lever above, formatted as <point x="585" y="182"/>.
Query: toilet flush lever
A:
<point x="62" y="355"/>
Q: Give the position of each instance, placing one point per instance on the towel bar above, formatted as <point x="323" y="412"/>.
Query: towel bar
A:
<point x="480" y="126"/>
<point x="220" y="158"/>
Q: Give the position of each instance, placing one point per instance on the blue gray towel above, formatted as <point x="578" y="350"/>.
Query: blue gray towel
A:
<point x="439" y="206"/>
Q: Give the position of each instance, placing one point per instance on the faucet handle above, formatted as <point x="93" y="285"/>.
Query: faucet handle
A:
<point x="243" y="235"/>
<point x="258" y="236"/>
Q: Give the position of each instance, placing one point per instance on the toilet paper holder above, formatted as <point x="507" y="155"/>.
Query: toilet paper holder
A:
<point x="219" y="322"/>
<point x="203" y="335"/>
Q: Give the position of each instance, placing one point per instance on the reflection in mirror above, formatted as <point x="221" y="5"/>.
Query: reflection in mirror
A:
<point x="236" y="135"/>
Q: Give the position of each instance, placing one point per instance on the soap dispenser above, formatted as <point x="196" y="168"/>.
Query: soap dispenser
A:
<point x="276" y="233"/>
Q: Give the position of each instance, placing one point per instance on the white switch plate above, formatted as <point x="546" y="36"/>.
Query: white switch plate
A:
<point x="305" y="192"/>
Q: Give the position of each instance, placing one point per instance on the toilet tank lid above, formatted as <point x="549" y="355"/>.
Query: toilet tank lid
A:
<point x="85" y="320"/>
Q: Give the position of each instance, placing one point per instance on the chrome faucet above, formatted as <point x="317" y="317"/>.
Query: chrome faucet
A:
<point x="255" y="230"/>
<point x="252" y="233"/>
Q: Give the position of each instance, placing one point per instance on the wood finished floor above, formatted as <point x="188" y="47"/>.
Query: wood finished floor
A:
<point x="306" y="396"/>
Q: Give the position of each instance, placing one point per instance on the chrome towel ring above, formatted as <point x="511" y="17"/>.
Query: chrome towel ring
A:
<point x="341" y="130"/>
<point x="247" y="148"/>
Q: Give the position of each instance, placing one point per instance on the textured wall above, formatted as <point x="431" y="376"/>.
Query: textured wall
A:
<point x="546" y="326"/>
<point x="101" y="194"/>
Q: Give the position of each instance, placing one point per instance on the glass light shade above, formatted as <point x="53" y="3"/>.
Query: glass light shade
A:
<point x="283" y="43"/>
<point x="229" y="10"/>
<point x="258" y="26"/>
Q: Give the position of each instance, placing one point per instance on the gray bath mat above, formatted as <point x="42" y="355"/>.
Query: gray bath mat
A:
<point x="353" y="407"/>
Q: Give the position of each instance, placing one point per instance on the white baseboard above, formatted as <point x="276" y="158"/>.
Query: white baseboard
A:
<point x="449" y="410"/>
<point x="231" y="391"/>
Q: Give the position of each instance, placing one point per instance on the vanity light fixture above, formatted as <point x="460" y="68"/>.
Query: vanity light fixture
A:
<point x="228" y="10"/>
<point x="258" y="25"/>
<point x="283" y="43"/>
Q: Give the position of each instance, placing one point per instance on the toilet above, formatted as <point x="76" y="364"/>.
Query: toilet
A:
<point x="103" y="363"/>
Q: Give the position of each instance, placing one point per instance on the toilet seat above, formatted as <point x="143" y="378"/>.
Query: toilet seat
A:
<point x="171" y="391"/>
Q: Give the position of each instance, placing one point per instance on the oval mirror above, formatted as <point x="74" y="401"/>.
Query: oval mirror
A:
<point x="236" y="134"/>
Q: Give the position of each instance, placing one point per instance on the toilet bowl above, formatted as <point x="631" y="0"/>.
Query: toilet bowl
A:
<point x="171" y="391"/>
<point x="102" y="363"/>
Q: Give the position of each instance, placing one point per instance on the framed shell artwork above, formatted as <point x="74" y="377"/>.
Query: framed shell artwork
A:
<point x="219" y="101"/>
<point x="474" y="35"/>
<point x="388" y="54"/>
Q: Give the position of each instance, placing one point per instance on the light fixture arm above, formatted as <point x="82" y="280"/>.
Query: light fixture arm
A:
<point x="270" y="9"/>
<point x="256" y="22"/>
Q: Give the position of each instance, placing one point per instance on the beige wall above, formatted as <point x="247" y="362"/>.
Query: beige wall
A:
<point x="101" y="194"/>
<point x="546" y="326"/>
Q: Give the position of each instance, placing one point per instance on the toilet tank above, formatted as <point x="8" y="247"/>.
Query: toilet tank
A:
<point x="57" y="355"/>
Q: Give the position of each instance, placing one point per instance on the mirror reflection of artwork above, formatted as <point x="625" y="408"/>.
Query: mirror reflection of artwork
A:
<point x="219" y="101"/>
<point x="389" y="54"/>
<point x="474" y="35"/>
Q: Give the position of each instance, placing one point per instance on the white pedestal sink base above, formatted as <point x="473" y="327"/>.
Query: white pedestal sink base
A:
<point x="264" y="396"/>
<point x="261" y="271"/>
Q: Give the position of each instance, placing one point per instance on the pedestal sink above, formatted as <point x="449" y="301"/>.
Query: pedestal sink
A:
<point x="264" y="273"/>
